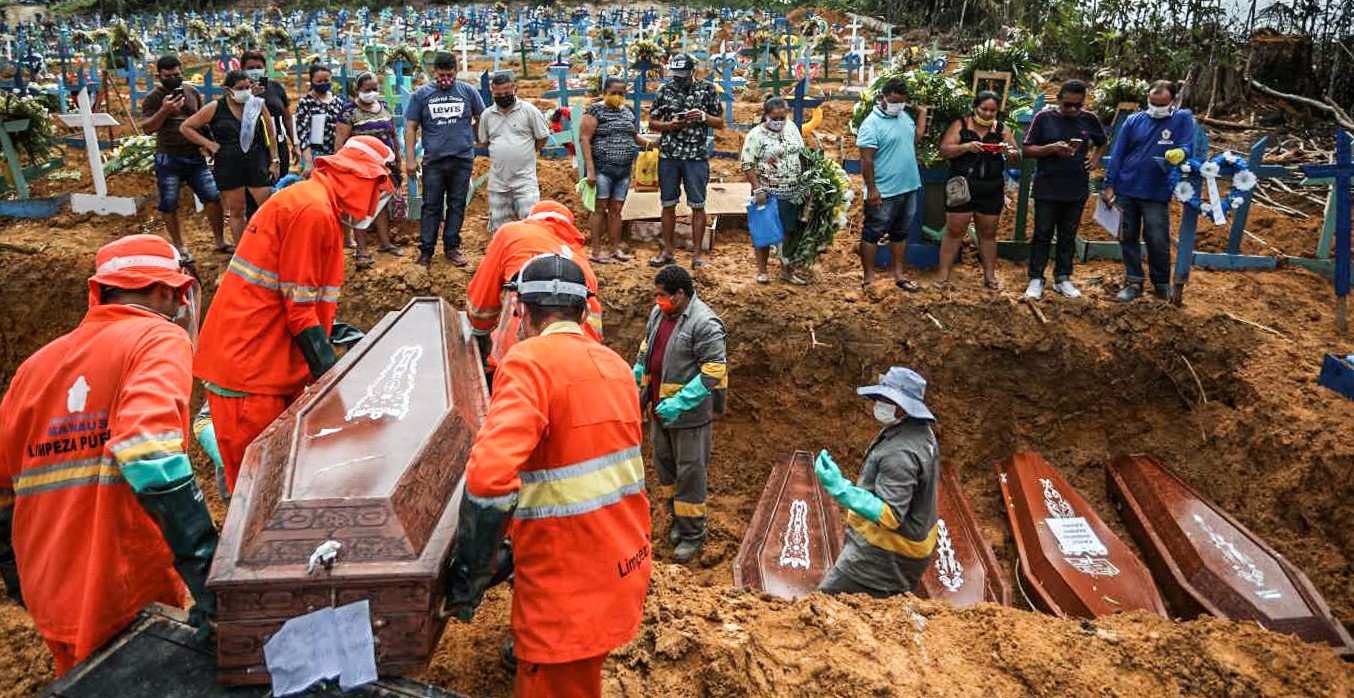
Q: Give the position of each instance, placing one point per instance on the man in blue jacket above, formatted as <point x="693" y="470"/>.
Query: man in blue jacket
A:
<point x="1138" y="185"/>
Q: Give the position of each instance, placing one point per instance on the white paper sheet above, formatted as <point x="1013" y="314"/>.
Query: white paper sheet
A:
<point x="1109" y="217"/>
<point x="1076" y="537"/>
<point x="317" y="128"/>
<point x="326" y="644"/>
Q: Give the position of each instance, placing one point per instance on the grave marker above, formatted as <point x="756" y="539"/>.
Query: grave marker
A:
<point x="100" y="202"/>
<point x="1341" y="172"/>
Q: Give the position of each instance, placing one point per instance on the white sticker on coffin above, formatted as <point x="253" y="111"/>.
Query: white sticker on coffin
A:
<point x="1076" y="537"/>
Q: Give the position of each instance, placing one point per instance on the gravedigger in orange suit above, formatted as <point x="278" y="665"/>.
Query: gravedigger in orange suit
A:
<point x="557" y="465"/>
<point x="548" y="229"/>
<point x="266" y="335"/>
<point x="99" y="511"/>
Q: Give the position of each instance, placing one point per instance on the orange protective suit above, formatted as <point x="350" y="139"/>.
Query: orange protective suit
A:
<point x="285" y="279"/>
<point x="114" y="390"/>
<point x="562" y="439"/>
<point x="549" y="229"/>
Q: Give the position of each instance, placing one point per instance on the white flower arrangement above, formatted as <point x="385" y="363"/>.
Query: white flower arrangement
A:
<point x="1184" y="191"/>
<point x="1244" y="180"/>
<point x="1230" y="158"/>
<point x="1185" y="168"/>
<point x="1210" y="169"/>
<point x="1238" y="202"/>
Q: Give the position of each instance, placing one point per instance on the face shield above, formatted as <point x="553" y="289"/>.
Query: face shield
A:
<point x="189" y="314"/>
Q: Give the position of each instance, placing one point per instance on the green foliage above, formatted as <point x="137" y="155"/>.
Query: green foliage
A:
<point x="1012" y="57"/>
<point x="75" y="7"/>
<point x="35" y="142"/>
<point x="829" y="196"/>
<point x="945" y="96"/>
<point x="1109" y="92"/>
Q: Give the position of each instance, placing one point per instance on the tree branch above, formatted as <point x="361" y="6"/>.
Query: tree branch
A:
<point x="1339" y="115"/>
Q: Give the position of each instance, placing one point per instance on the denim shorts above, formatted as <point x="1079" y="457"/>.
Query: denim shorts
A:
<point x="174" y="171"/>
<point x="613" y="182"/>
<point x="675" y="175"/>
<point x="890" y="220"/>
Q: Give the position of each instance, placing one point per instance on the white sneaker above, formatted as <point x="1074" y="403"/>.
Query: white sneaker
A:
<point x="1035" y="290"/>
<point x="1066" y="288"/>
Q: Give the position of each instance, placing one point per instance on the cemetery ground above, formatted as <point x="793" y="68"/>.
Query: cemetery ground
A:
<point x="1223" y="390"/>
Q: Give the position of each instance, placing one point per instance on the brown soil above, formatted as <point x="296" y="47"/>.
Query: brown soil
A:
<point x="1254" y="432"/>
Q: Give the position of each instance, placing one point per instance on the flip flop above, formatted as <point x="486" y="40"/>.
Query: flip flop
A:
<point x="662" y="260"/>
<point x="763" y="279"/>
<point x="621" y="256"/>
<point x="599" y="260"/>
<point x="907" y="285"/>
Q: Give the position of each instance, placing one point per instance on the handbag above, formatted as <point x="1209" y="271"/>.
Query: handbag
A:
<point x="957" y="192"/>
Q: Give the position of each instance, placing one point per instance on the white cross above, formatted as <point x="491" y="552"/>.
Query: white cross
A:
<point x="100" y="202"/>
<point x="463" y="45"/>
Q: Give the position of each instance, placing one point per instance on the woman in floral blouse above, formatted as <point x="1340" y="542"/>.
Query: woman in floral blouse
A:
<point x="368" y="115"/>
<point x="771" y="164"/>
<point x="317" y="114"/>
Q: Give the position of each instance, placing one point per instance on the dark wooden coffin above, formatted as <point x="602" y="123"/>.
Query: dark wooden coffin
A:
<point x="157" y="657"/>
<point x="1207" y="562"/>
<point x="371" y="456"/>
<point x="964" y="570"/>
<point x="795" y="535"/>
<point x="1071" y="564"/>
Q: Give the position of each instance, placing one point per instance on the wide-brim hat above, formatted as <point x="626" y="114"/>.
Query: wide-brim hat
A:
<point x="365" y="157"/>
<point x="904" y="388"/>
<point x="137" y="261"/>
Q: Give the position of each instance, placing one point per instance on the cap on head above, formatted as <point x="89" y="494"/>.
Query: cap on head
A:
<point x="137" y="261"/>
<point x="552" y="280"/>
<point x="681" y="65"/>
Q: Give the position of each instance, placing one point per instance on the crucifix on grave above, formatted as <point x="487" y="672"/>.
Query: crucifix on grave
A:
<point x="639" y="89"/>
<point x="801" y="101"/>
<point x="100" y="202"/>
<point x="1232" y="258"/>
<point x="1341" y="173"/>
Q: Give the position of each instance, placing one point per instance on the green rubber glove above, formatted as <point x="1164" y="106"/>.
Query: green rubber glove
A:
<point x="857" y="499"/>
<point x="315" y="347"/>
<point x="638" y="370"/>
<point x="691" y="394"/>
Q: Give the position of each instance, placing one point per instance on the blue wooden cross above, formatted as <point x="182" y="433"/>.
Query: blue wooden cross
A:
<point x="1189" y="222"/>
<point x="1341" y="173"/>
<point x="561" y="73"/>
<point x="639" y="91"/>
<point x="802" y="100"/>
<point x="1232" y="258"/>
<point x="728" y="82"/>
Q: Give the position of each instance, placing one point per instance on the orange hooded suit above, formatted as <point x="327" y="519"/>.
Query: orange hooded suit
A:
<point x="280" y="294"/>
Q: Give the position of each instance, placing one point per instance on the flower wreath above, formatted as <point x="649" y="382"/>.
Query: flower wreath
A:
<point x="1190" y="177"/>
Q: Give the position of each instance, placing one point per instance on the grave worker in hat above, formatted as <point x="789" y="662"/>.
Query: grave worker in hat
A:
<point x="891" y="510"/>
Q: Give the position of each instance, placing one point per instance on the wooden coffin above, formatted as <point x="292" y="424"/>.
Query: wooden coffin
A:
<point x="964" y="570"/>
<point x="795" y="535"/>
<point x="1207" y="562"/>
<point x="157" y="656"/>
<point x="1070" y="562"/>
<point x="371" y="456"/>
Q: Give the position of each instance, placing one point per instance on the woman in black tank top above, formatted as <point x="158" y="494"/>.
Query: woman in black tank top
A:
<point x="978" y="148"/>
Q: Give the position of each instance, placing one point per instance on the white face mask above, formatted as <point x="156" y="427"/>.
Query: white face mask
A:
<point x="775" y="124"/>
<point x="241" y="96"/>
<point x="885" y="412"/>
<point x="367" y="97"/>
<point x="894" y="108"/>
<point x="1160" y="112"/>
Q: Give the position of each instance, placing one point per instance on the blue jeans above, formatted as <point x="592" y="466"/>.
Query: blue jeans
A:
<point x="1149" y="221"/>
<point x="174" y="171"/>
<point x="613" y="182"/>
<point x="675" y="175"/>
<point x="891" y="219"/>
<point x="445" y="182"/>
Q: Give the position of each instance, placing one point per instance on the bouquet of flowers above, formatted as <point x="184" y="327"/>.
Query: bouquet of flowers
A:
<point x="829" y="195"/>
<point x="996" y="55"/>
<point x="1110" y="92"/>
<point x="406" y="53"/>
<point x="134" y="154"/>
<point x="35" y="141"/>
<point x="947" y="99"/>
<point x="276" y="36"/>
<point x="645" y="50"/>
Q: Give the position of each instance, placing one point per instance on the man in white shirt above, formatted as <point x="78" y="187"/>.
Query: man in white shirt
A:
<point x="515" y="131"/>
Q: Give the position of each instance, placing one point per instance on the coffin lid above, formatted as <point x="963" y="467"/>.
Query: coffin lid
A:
<point x="795" y="535"/>
<point x="370" y="456"/>
<point x="1209" y="563"/>
<point x="964" y="570"/>
<point x="1070" y="561"/>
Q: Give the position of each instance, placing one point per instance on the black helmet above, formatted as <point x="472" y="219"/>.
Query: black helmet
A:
<point x="552" y="280"/>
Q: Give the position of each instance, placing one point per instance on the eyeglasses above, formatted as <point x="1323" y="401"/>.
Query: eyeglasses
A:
<point x="1073" y="106"/>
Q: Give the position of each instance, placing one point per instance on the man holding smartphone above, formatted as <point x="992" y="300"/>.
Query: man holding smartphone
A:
<point x="177" y="161"/>
<point x="684" y="112"/>
<point x="1060" y="140"/>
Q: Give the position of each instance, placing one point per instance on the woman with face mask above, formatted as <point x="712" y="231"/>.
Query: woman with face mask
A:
<point x="609" y="136"/>
<point x="242" y="145"/>
<point x="978" y="147"/>
<point x="274" y="95"/>
<point x="771" y="163"/>
<point x="368" y="115"/>
<point x="317" y="116"/>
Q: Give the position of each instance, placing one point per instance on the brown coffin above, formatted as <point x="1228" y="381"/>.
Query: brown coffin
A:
<point x="1070" y="561"/>
<point x="1207" y="562"/>
<point x="964" y="570"/>
<point x="795" y="535"/>
<point x="371" y="456"/>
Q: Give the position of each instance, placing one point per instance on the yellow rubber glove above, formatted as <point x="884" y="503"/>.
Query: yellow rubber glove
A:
<point x="1175" y="156"/>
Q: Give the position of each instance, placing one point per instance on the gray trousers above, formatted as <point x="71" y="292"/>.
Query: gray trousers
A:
<point x="682" y="456"/>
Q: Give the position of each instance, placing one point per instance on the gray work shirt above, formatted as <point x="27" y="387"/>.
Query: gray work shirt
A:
<point x="902" y="467"/>
<point x="512" y="137"/>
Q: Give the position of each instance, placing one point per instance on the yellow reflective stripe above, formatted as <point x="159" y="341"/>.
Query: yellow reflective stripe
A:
<point x="150" y="449"/>
<point x="877" y="536"/>
<point x="887" y="519"/>
<point x="582" y="487"/>
<point x="669" y="389"/>
<point x="688" y="509"/>
<point x="61" y="476"/>
<point x="253" y="274"/>
<point x="717" y="371"/>
<point x="665" y="491"/>
<point x="311" y="294"/>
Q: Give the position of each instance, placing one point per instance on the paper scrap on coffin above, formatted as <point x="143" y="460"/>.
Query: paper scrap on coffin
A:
<point x="326" y="644"/>
<point x="1076" y="537"/>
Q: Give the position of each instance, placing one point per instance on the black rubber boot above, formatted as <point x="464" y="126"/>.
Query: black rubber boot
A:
<point x="181" y="514"/>
<point x="1130" y="293"/>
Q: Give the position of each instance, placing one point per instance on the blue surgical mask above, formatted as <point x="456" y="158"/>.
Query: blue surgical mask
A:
<point x="321" y="87"/>
<point x="254" y="73"/>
